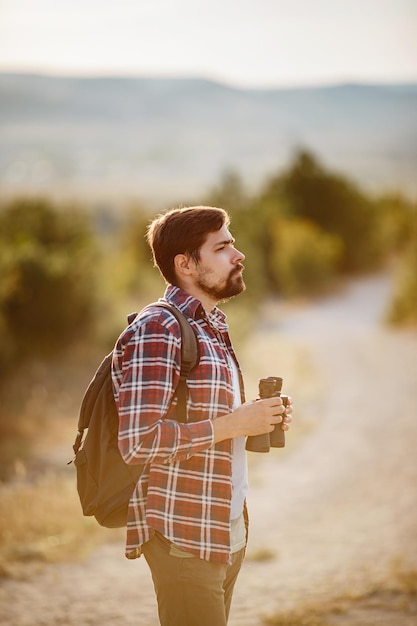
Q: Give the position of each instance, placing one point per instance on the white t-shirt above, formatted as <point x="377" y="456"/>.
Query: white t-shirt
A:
<point x="239" y="460"/>
<point x="239" y="476"/>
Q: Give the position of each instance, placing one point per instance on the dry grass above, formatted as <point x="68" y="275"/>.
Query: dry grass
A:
<point x="261" y="554"/>
<point x="396" y="601"/>
<point x="42" y="522"/>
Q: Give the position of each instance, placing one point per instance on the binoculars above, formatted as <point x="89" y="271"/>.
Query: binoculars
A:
<point x="269" y="388"/>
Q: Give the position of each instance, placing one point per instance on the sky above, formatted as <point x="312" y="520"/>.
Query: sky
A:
<point x="247" y="43"/>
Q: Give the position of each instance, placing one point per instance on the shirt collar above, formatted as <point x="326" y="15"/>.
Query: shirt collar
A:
<point x="193" y="308"/>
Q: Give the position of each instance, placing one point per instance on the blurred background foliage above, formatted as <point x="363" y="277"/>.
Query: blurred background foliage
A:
<point x="47" y="288"/>
<point x="70" y="274"/>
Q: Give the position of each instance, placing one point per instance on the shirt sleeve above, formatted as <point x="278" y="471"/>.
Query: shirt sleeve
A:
<point x="146" y="366"/>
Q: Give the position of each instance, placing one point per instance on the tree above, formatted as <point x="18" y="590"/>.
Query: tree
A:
<point x="47" y="268"/>
<point x="304" y="257"/>
<point x="334" y="204"/>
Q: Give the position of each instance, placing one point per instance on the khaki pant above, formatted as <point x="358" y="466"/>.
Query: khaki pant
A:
<point x="190" y="591"/>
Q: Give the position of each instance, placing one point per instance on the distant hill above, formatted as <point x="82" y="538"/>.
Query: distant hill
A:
<point x="171" y="139"/>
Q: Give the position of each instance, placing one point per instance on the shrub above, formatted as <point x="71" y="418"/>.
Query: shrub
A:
<point x="134" y="273"/>
<point x="403" y="306"/>
<point x="395" y="215"/>
<point x="304" y="258"/>
<point x="336" y="205"/>
<point x="47" y="291"/>
<point x="47" y="299"/>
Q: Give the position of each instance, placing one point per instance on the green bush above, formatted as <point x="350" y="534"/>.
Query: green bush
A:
<point x="403" y="306"/>
<point x="395" y="216"/>
<point x="47" y="289"/>
<point x="304" y="258"/>
<point x="135" y="273"/>
<point x="335" y="205"/>
<point x="47" y="300"/>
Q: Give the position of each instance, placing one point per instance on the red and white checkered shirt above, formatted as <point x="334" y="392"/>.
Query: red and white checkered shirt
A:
<point x="185" y="489"/>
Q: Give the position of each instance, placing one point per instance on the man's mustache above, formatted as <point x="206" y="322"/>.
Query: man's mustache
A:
<point x="239" y="268"/>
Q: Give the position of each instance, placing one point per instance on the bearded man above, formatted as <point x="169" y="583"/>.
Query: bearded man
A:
<point x="187" y="515"/>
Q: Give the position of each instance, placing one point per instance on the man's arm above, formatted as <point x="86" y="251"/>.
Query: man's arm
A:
<point x="146" y="369"/>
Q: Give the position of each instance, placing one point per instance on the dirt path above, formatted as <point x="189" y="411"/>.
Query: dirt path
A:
<point x="336" y="510"/>
<point x="341" y="509"/>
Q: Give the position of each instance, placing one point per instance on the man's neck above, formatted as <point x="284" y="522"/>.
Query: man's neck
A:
<point x="208" y="303"/>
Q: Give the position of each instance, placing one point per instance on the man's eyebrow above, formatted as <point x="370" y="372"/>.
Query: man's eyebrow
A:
<point x="231" y="240"/>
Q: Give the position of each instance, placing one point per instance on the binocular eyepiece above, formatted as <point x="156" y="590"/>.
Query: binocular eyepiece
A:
<point x="269" y="388"/>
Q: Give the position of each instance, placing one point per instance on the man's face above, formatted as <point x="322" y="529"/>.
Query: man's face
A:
<point x="219" y="270"/>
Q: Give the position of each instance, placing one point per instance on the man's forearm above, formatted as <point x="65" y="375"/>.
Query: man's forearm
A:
<point x="224" y="428"/>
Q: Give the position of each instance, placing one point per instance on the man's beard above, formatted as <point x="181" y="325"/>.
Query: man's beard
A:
<point x="221" y="292"/>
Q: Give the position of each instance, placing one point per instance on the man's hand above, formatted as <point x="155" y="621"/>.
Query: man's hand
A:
<point x="253" y="418"/>
<point x="287" y="415"/>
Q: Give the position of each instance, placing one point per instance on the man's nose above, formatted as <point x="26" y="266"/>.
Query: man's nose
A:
<point x="239" y="256"/>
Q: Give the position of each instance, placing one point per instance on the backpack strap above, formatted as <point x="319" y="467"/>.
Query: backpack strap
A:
<point x="101" y="382"/>
<point x="190" y="356"/>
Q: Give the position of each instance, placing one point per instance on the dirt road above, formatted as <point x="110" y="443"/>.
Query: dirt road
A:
<point x="335" y="511"/>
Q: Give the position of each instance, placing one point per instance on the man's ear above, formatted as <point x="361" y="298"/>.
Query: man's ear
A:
<point x="182" y="265"/>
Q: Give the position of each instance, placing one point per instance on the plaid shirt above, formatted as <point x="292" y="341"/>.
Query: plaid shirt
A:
<point x="185" y="489"/>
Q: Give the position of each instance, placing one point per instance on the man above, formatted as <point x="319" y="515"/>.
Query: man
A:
<point x="187" y="514"/>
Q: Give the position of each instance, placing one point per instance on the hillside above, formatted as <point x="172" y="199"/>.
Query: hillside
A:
<point x="164" y="139"/>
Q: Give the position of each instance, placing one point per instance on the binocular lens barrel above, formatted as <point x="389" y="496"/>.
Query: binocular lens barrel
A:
<point x="268" y="388"/>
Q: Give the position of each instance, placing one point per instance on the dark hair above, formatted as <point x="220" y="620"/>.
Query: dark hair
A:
<point x="182" y="231"/>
